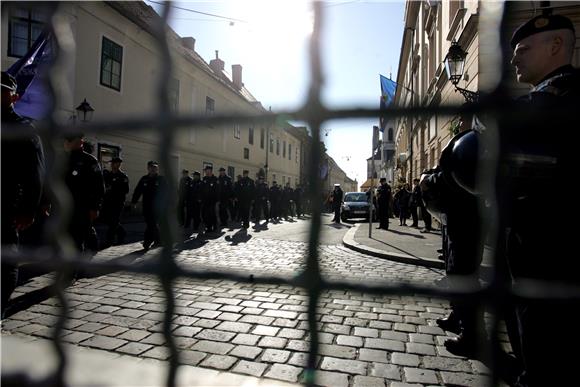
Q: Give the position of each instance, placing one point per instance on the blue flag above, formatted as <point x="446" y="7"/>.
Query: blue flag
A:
<point x="30" y="73"/>
<point x="388" y="89"/>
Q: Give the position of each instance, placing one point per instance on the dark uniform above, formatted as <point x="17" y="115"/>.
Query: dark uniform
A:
<point x="194" y="201"/>
<point x="182" y="200"/>
<point x="298" y="199"/>
<point x="383" y="202"/>
<point x="245" y="194"/>
<point x="225" y="194"/>
<point x="153" y="188"/>
<point x="416" y="204"/>
<point x="287" y="197"/>
<point x="261" y="201"/>
<point x="22" y="182"/>
<point x="402" y="199"/>
<point x="275" y="200"/>
<point x="533" y="165"/>
<point x="337" y="203"/>
<point x="84" y="180"/>
<point x="116" y="190"/>
<point x="209" y="200"/>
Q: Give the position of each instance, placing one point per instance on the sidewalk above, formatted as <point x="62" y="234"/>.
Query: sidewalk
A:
<point x="400" y="243"/>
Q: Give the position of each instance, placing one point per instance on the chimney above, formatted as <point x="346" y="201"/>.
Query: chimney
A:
<point x="237" y="76"/>
<point x="188" y="42"/>
<point x="217" y="65"/>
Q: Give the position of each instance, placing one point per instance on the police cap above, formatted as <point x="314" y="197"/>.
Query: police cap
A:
<point x="152" y="164"/>
<point x="185" y="171"/>
<point x="222" y="169"/>
<point x="196" y="173"/>
<point x="73" y="136"/>
<point x="208" y="167"/>
<point x="116" y="160"/>
<point x="383" y="179"/>
<point x="539" y="24"/>
<point x="8" y="81"/>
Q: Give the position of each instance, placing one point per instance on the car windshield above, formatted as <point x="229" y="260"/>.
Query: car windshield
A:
<point x="355" y="197"/>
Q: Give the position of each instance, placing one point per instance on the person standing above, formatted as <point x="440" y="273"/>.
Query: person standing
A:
<point x="153" y="188"/>
<point x="245" y="195"/>
<point x="298" y="198"/>
<point x="275" y="199"/>
<point x="287" y="195"/>
<point x="84" y="180"/>
<point x="225" y="195"/>
<point x="116" y="190"/>
<point x="22" y="184"/>
<point x="383" y="201"/>
<point x="182" y="200"/>
<point x="209" y="199"/>
<point x="336" y="202"/>
<point x="416" y="202"/>
<point x="261" y="200"/>
<point x="194" y="202"/>
<point x="403" y="197"/>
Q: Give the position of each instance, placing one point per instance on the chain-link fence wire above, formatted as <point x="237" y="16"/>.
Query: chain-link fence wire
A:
<point x="62" y="258"/>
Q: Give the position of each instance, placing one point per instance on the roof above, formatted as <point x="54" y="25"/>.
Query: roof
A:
<point x="145" y="17"/>
<point x="368" y="184"/>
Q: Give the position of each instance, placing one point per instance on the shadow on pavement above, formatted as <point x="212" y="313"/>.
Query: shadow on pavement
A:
<point x="241" y="236"/>
<point x="25" y="301"/>
<point x="260" y="227"/>
<point x="395" y="247"/>
<point x="406" y="233"/>
<point x="337" y="225"/>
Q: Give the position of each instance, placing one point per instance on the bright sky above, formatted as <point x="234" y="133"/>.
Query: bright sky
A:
<point x="361" y="39"/>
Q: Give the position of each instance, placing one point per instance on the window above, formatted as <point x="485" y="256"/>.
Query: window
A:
<point x="283" y="148"/>
<point x="251" y="135"/>
<point x="237" y="131"/>
<point x="278" y="146"/>
<point x="262" y="138"/>
<point x="271" y="145"/>
<point x="24" y="28"/>
<point x="111" y="64"/>
<point x="173" y="94"/>
<point x="209" y="106"/>
<point x="289" y="151"/>
<point x="246" y="153"/>
<point x="231" y="171"/>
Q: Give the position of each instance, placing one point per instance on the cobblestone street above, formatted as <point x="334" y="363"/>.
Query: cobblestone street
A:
<point x="256" y="329"/>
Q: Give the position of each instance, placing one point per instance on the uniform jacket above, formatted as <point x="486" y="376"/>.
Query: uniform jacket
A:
<point x="116" y="186"/>
<point x="84" y="180"/>
<point x="153" y="189"/>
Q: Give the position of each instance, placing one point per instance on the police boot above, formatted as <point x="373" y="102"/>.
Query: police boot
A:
<point x="450" y="324"/>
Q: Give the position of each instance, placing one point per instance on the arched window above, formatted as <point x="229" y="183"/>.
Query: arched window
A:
<point x="390" y="135"/>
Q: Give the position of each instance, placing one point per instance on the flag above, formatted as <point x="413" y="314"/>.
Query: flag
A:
<point x="388" y="88"/>
<point x="30" y="71"/>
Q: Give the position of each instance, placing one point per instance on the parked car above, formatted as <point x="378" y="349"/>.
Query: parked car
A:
<point x="356" y="205"/>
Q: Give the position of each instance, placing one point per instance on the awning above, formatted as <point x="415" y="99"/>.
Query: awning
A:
<point x="367" y="184"/>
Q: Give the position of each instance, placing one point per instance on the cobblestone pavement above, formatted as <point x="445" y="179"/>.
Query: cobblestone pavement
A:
<point x="260" y="330"/>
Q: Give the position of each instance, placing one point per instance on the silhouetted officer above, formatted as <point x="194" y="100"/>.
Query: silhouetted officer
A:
<point x="275" y="199"/>
<point x="194" y="202"/>
<point x="209" y="199"/>
<point x="182" y="204"/>
<point x="153" y="188"/>
<point x="261" y="200"/>
<point x="287" y="197"/>
<point x="245" y="195"/>
<point x="298" y="199"/>
<point x="84" y="180"/>
<point x="116" y="190"/>
<point x="383" y="202"/>
<point x="336" y="202"/>
<point x="22" y="183"/>
<point x="234" y="210"/>
<point x="225" y="195"/>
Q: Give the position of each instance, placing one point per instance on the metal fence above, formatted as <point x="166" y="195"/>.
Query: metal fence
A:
<point x="63" y="259"/>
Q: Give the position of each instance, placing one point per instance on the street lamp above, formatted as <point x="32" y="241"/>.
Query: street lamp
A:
<point x="454" y="67"/>
<point x="85" y="111"/>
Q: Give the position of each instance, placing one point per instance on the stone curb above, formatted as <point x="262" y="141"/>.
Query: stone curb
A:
<point x="349" y="242"/>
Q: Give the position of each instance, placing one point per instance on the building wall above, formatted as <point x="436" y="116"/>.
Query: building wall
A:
<point x="221" y="146"/>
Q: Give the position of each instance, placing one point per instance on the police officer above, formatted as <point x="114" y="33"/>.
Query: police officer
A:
<point x="194" y="202"/>
<point x="416" y="203"/>
<point x="261" y="200"/>
<point x="84" y="179"/>
<point x="22" y="183"/>
<point x="116" y="189"/>
<point x="298" y="199"/>
<point x="153" y="188"/>
<point x="383" y="202"/>
<point x="275" y="200"/>
<point x="225" y="194"/>
<point x="245" y="195"/>
<point x="337" y="202"/>
<point x="209" y="199"/>
<point x="182" y="200"/>
<point x="543" y="48"/>
<point x="287" y="198"/>
<point x="234" y="210"/>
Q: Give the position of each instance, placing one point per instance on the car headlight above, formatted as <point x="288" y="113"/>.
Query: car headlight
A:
<point x="345" y="207"/>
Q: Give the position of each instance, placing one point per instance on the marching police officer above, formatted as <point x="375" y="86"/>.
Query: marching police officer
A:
<point x="194" y="201"/>
<point x="116" y="189"/>
<point x="209" y="199"/>
<point x="532" y="163"/>
<point x="383" y="202"/>
<point x="261" y="200"/>
<point x="275" y="199"/>
<point x="225" y="194"/>
<point x="22" y="183"/>
<point x="182" y="200"/>
<point x="84" y="180"/>
<point x="287" y="197"/>
<point x="298" y="198"/>
<point x="153" y="188"/>
<point x="245" y="195"/>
